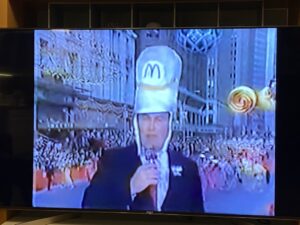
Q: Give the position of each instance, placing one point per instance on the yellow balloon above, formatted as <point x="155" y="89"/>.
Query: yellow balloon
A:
<point x="265" y="99"/>
<point x="242" y="99"/>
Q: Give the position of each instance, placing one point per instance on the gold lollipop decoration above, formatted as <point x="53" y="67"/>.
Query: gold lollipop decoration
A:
<point x="266" y="99"/>
<point x="242" y="99"/>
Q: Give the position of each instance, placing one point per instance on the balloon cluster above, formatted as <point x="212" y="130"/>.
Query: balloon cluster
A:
<point x="244" y="99"/>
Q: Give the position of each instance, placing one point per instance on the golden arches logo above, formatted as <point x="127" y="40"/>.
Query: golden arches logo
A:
<point x="152" y="70"/>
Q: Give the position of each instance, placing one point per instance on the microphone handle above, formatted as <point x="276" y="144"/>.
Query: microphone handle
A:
<point x="153" y="194"/>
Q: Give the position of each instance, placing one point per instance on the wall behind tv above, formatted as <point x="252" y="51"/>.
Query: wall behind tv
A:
<point x="138" y="13"/>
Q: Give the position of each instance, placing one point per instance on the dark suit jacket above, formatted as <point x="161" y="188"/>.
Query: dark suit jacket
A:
<point x="110" y="187"/>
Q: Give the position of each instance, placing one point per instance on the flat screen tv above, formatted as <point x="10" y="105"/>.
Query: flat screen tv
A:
<point x="167" y="121"/>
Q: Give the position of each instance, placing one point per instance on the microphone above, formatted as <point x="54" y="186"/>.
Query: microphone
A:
<point x="151" y="157"/>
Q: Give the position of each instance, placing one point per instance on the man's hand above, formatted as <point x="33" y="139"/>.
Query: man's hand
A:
<point x="144" y="176"/>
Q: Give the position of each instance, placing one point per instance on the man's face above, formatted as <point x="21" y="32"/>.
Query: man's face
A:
<point x="154" y="128"/>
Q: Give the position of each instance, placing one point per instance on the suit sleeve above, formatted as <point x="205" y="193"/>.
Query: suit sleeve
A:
<point x="197" y="198"/>
<point x="109" y="189"/>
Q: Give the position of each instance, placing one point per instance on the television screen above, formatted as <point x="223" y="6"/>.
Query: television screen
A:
<point x="179" y="120"/>
<point x="164" y="121"/>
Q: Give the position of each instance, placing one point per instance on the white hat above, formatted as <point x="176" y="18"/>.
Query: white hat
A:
<point x="158" y="71"/>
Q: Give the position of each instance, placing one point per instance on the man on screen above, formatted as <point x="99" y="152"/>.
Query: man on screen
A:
<point x="147" y="175"/>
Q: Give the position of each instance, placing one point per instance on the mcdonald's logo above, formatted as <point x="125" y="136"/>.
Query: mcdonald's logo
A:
<point x="152" y="70"/>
